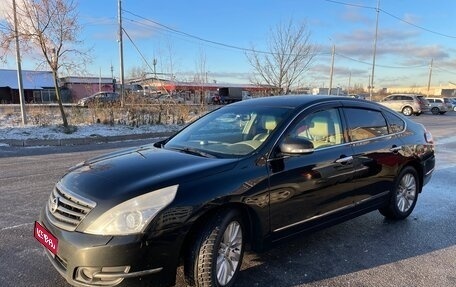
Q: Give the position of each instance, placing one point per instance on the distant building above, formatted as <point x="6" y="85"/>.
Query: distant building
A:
<point x="324" y="91"/>
<point x="443" y="91"/>
<point x="80" y="87"/>
<point x="38" y="87"/>
<point x="193" y="91"/>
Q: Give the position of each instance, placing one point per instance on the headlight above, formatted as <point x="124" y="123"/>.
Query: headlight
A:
<point x="133" y="215"/>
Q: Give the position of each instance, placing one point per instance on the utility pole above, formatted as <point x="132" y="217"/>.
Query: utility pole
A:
<point x="19" y="68"/>
<point x="371" y="84"/>
<point x="154" y="62"/>
<point x="99" y="81"/>
<point x="112" y="79"/>
<point x="121" y="56"/>
<point x="430" y="75"/>
<point x="331" y="72"/>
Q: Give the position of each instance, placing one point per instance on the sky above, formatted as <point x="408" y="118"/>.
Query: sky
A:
<point x="180" y="34"/>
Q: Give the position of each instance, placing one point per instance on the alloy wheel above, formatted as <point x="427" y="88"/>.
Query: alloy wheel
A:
<point x="229" y="253"/>
<point x="407" y="111"/>
<point x="406" y="192"/>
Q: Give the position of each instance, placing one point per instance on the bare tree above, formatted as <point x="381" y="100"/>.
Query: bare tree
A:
<point x="289" y="54"/>
<point x="137" y="72"/>
<point x="201" y="73"/>
<point x="49" y="27"/>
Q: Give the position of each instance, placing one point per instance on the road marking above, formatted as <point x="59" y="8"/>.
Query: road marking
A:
<point x="15" y="226"/>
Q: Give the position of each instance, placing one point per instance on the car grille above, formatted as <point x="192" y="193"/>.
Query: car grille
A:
<point x="66" y="209"/>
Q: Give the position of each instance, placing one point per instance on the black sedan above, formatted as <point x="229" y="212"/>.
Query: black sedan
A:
<point x="253" y="172"/>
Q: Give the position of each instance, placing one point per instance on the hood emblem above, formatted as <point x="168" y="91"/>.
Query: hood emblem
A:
<point x="54" y="204"/>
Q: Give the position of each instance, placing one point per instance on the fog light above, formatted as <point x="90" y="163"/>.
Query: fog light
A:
<point x="101" y="275"/>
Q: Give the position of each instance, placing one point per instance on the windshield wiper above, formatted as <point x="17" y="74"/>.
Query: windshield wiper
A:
<point x="194" y="152"/>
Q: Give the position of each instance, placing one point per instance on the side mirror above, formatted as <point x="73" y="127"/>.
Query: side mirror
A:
<point x="296" y="146"/>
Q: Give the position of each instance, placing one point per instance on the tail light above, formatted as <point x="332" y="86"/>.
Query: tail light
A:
<point x="428" y="136"/>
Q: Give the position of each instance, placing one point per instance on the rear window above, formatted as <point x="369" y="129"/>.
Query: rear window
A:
<point x="422" y="100"/>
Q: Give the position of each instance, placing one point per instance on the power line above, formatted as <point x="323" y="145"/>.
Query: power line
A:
<point x="203" y="39"/>
<point x="393" y="16"/>
<point x="163" y="31"/>
<point x="419" y="27"/>
<point x="444" y="70"/>
<point x="382" y="66"/>
<point x="137" y="49"/>
<point x="351" y="4"/>
<point x="165" y="28"/>
<point x="197" y="37"/>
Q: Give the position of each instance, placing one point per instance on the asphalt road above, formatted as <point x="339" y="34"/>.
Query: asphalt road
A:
<point x="366" y="251"/>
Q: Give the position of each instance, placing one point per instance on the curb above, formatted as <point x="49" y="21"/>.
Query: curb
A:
<point x="82" y="141"/>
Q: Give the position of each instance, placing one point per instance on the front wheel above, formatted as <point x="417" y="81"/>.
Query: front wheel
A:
<point x="216" y="254"/>
<point x="404" y="195"/>
<point x="435" y="111"/>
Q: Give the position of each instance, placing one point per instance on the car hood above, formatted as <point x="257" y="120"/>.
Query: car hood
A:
<point x="128" y="173"/>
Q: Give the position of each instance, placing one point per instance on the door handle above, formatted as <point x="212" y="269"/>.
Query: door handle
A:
<point x="395" y="149"/>
<point x="344" y="160"/>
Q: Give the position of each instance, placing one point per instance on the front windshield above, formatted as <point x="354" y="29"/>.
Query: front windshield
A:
<point x="231" y="131"/>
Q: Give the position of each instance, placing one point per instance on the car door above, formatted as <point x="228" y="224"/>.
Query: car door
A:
<point x="393" y="102"/>
<point x="376" y="150"/>
<point x="312" y="185"/>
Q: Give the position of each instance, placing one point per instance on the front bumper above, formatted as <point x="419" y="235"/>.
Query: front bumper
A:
<point x="93" y="260"/>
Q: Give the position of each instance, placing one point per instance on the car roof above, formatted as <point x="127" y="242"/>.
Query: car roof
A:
<point x="295" y="101"/>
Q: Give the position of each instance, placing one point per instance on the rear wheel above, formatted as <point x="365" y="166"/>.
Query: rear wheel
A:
<point x="407" y="111"/>
<point x="404" y="196"/>
<point x="216" y="254"/>
<point x="435" y="111"/>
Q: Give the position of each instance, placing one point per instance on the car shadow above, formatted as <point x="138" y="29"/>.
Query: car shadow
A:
<point x="366" y="242"/>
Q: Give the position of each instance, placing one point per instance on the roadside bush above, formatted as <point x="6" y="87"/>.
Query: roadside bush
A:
<point x="42" y="117"/>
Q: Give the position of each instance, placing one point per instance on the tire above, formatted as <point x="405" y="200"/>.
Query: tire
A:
<point x="407" y="111"/>
<point x="435" y="111"/>
<point x="215" y="256"/>
<point x="404" y="195"/>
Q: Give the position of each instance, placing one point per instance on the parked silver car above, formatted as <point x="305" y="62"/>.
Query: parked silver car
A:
<point x="440" y="105"/>
<point x="100" y="98"/>
<point x="453" y="104"/>
<point x="408" y="104"/>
